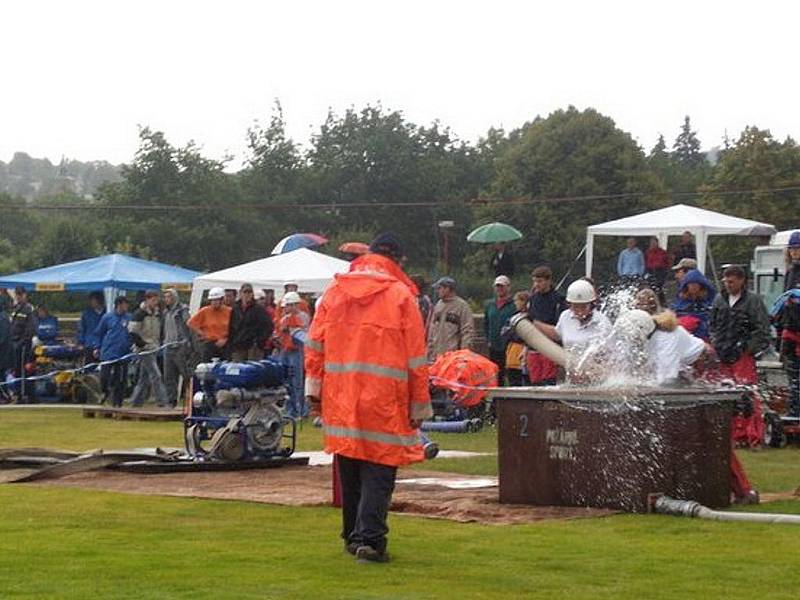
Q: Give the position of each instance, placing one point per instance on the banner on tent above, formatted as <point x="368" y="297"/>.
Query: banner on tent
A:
<point x="49" y="287"/>
<point x="181" y="287"/>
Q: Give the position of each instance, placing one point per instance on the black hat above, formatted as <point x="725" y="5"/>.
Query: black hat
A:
<point x="387" y="243"/>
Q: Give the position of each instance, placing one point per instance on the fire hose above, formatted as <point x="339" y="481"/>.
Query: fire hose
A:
<point x="689" y="508"/>
<point x="50" y="464"/>
<point x="537" y="340"/>
<point x="465" y="426"/>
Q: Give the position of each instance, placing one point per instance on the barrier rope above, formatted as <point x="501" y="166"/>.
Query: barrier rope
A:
<point x="130" y="357"/>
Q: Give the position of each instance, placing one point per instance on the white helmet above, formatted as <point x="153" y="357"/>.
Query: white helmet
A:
<point x="580" y="292"/>
<point x="216" y="293"/>
<point x="636" y="323"/>
<point x="290" y="298"/>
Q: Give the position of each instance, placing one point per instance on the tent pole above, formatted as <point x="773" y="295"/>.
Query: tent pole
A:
<point x="589" y="252"/>
<point x="713" y="265"/>
<point x="701" y="245"/>
<point x="564" y="278"/>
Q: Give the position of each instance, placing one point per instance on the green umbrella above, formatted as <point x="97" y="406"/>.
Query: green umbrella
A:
<point x="493" y="233"/>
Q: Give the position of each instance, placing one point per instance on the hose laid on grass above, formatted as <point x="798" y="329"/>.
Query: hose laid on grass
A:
<point x="53" y="468"/>
<point x="689" y="508"/>
<point x="466" y="426"/>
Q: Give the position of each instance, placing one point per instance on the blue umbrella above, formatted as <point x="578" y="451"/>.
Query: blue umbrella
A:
<point x="297" y="241"/>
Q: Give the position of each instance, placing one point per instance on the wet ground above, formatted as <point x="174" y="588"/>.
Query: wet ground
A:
<point x="420" y="493"/>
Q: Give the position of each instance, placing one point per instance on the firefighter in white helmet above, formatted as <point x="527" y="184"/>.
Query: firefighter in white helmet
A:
<point x="580" y="324"/>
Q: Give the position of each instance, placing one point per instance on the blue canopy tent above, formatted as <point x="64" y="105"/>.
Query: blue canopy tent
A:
<point x="110" y="273"/>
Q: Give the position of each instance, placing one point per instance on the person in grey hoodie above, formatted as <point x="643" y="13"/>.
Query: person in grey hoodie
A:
<point x="146" y="332"/>
<point x="177" y="354"/>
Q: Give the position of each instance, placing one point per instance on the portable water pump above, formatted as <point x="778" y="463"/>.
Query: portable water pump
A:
<point x="240" y="409"/>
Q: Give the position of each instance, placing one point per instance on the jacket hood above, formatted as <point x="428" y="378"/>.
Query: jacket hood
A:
<point x="695" y="276"/>
<point x="371" y="274"/>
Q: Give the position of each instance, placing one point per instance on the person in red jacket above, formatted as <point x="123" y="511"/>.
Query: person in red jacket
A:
<point x="656" y="262"/>
<point x="365" y="362"/>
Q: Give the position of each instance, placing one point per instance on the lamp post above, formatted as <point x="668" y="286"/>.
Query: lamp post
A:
<point x="445" y="226"/>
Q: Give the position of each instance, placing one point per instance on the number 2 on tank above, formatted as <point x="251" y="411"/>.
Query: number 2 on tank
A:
<point x="523" y="426"/>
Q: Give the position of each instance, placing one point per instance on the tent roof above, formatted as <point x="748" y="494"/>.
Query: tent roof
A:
<point x="782" y="237"/>
<point x="674" y="220"/>
<point x="112" y="270"/>
<point x="312" y="271"/>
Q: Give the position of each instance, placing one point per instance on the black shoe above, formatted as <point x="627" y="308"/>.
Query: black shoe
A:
<point x="367" y="554"/>
<point x="351" y="547"/>
<point x="751" y="497"/>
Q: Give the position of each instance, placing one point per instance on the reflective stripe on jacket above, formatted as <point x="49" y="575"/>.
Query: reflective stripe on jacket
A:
<point x="365" y="358"/>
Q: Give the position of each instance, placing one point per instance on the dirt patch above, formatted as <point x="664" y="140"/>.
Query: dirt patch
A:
<point x="311" y="486"/>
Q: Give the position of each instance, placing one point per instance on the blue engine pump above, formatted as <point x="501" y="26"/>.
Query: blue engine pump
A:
<point x="239" y="408"/>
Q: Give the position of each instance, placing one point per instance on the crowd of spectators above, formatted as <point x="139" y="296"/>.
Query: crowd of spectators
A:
<point x="235" y="325"/>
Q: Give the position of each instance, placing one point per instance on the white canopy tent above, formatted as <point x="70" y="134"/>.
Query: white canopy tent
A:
<point x="674" y="220"/>
<point x="312" y="271"/>
<point x="781" y="238"/>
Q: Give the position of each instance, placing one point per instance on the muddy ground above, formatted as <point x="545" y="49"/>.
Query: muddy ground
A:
<point x="311" y="486"/>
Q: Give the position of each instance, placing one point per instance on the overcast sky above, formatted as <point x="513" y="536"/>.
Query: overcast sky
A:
<point x="79" y="76"/>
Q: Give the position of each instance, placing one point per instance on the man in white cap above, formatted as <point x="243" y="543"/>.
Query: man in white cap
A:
<point x="211" y="323"/>
<point x="496" y="315"/>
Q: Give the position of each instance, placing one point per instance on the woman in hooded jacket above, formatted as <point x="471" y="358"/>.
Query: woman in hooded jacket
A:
<point x="693" y="303"/>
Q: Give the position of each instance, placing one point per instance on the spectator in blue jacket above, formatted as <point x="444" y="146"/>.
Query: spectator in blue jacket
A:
<point x="114" y="343"/>
<point x="90" y="319"/>
<point x="47" y="325"/>
<point x="630" y="263"/>
<point x="693" y="303"/>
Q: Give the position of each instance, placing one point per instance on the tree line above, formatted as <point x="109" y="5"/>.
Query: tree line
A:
<point x="372" y="169"/>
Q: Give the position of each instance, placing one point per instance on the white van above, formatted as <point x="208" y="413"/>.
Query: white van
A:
<point x="768" y="267"/>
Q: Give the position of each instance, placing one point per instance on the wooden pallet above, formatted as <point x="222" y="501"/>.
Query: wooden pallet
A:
<point x="132" y="414"/>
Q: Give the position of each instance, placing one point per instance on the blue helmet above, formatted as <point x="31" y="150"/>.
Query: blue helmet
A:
<point x="794" y="240"/>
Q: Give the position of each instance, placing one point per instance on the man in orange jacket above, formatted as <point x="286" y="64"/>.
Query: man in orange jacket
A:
<point x="365" y="361"/>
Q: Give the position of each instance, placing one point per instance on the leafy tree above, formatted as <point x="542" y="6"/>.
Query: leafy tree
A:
<point x="762" y="165"/>
<point x="660" y="161"/>
<point x="570" y="153"/>
<point x="203" y="226"/>
<point x="689" y="168"/>
<point x="377" y="158"/>
<point x="67" y="239"/>
<point x="686" y="149"/>
<point x="275" y="165"/>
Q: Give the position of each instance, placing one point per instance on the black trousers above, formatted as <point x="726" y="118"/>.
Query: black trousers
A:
<point x="366" y="494"/>
<point x="23" y="355"/>
<point x="113" y="379"/>
<point x="498" y="357"/>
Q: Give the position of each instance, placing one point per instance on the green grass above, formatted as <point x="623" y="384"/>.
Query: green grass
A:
<point x="769" y="470"/>
<point x="68" y="543"/>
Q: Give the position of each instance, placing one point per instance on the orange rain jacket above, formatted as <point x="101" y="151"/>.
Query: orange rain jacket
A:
<point x="365" y="359"/>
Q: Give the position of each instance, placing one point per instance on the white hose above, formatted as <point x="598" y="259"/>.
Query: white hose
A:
<point x="689" y="508"/>
<point x="717" y="515"/>
<point x="537" y="340"/>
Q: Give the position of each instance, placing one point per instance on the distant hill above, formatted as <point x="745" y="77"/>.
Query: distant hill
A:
<point x="33" y="178"/>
